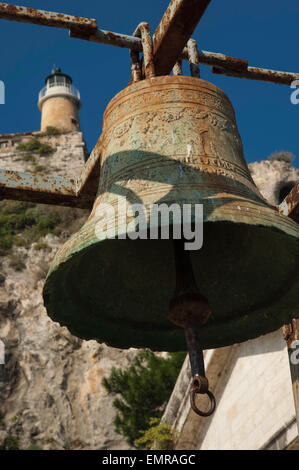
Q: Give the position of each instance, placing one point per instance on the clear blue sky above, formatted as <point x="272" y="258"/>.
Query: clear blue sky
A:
<point x="263" y="31"/>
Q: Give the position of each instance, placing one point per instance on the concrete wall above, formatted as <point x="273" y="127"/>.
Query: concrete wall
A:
<point x="255" y="402"/>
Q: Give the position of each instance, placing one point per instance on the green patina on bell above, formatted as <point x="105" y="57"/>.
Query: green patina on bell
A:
<point x="175" y="140"/>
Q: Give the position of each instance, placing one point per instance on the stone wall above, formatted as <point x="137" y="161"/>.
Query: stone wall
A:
<point x="67" y="159"/>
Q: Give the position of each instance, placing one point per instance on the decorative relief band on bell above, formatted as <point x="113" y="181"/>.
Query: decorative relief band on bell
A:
<point x="158" y="91"/>
<point x="195" y="100"/>
<point x="207" y="164"/>
<point x="146" y="118"/>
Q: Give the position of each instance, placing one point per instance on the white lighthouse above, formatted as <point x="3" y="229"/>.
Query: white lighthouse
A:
<point x="59" y="102"/>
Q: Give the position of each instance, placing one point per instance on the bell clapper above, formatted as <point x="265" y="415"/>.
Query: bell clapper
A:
<point x="200" y="384"/>
<point x="190" y="310"/>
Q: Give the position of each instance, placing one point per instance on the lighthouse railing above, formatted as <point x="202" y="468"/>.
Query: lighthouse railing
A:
<point x="67" y="88"/>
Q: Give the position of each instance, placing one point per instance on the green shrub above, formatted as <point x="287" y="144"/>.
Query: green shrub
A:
<point x="158" y="436"/>
<point x="45" y="149"/>
<point x="283" y="156"/>
<point x="14" y="218"/>
<point x="39" y="168"/>
<point x="2" y="281"/>
<point x="16" y="263"/>
<point x="35" y="146"/>
<point x="29" y="158"/>
<point x="50" y="130"/>
<point x="10" y="443"/>
<point x="34" y="447"/>
<point x="31" y="146"/>
<point x="40" y="246"/>
<point x="144" y="389"/>
<point x="22" y="223"/>
<point x="46" y="224"/>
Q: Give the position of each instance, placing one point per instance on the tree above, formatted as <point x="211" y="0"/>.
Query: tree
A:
<point x="144" y="390"/>
<point x="158" y="436"/>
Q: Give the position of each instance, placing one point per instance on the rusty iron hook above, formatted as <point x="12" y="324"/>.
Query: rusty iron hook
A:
<point x="143" y="31"/>
<point x="190" y="310"/>
<point x="200" y="386"/>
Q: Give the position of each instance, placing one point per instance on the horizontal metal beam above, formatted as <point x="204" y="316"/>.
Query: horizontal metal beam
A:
<point x="260" y="74"/>
<point x="36" y="187"/>
<point x="216" y="58"/>
<point x="47" y="18"/>
<point x="109" y="38"/>
<point x="133" y="43"/>
<point x="175" y="29"/>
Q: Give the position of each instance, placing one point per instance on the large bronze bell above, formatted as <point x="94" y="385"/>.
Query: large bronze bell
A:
<point x="174" y="139"/>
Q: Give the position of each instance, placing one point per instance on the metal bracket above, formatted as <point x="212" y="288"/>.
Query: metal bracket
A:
<point x="290" y="206"/>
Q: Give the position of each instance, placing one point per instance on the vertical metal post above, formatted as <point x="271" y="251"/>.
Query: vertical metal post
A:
<point x="177" y="69"/>
<point x="291" y="336"/>
<point x="193" y="58"/>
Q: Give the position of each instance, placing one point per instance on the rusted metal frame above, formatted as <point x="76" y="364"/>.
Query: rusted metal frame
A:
<point x="175" y="24"/>
<point x="143" y="31"/>
<point x="36" y="187"/>
<point x="47" y="18"/>
<point x="256" y="73"/>
<point x="290" y="206"/>
<point x="218" y="59"/>
<point x="174" y="31"/>
<point x="135" y="44"/>
<point x="136" y="67"/>
<point x="193" y="58"/>
<point x="110" y="39"/>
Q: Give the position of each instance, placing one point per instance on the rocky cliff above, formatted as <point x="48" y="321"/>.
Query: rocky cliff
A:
<point x="51" y="385"/>
<point x="51" y="392"/>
